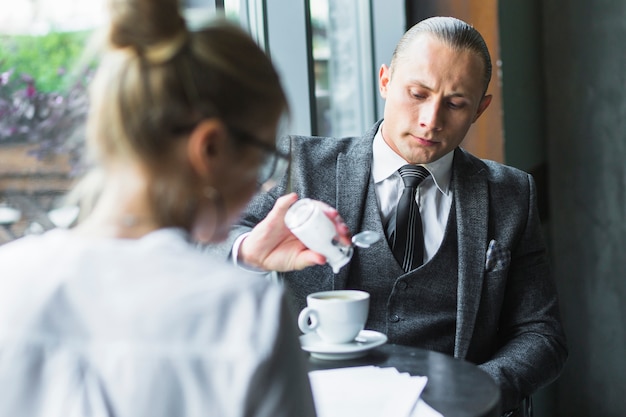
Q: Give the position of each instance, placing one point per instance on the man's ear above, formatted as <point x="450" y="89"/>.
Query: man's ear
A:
<point x="482" y="106"/>
<point x="206" y="145"/>
<point x="384" y="75"/>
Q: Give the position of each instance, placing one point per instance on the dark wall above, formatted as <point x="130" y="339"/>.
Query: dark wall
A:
<point x="523" y="92"/>
<point x="585" y="73"/>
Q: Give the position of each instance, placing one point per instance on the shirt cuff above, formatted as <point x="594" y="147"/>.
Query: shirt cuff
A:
<point x="235" y="256"/>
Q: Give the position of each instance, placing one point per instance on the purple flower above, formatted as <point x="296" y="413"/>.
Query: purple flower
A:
<point x="31" y="90"/>
<point x="5" y="77"/>
<point x="54" y="121"/>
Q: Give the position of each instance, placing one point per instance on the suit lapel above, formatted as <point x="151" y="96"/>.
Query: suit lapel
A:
<point x="472" y="212"/>
<point x="353" y="171"/>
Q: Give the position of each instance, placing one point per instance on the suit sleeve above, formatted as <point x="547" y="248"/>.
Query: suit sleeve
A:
<point x="531" y="342"/>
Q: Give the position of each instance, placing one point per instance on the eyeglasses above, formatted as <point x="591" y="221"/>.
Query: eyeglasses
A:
<point x="275" y="163"/>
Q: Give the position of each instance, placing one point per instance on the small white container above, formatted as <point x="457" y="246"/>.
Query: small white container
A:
<point x="317" y="232"/>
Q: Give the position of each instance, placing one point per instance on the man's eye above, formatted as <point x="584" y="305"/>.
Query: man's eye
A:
<point x="455" y="106"/>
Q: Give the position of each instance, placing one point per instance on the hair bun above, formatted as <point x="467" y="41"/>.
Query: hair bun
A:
<point x="141" y="24"/>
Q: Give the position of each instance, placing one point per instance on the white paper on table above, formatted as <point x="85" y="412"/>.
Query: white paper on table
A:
<point x="365" y="391"/>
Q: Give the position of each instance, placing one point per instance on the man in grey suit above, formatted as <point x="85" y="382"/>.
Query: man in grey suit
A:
<point x="484" y="292"/>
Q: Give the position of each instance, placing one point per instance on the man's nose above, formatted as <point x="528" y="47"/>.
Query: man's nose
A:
<point x="431" y="116"/>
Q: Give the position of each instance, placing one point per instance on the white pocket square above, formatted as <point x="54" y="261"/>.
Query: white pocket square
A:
<point x="497" y="256"/>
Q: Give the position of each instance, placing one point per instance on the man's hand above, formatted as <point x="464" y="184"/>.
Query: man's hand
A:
<point x="271" y="245"/>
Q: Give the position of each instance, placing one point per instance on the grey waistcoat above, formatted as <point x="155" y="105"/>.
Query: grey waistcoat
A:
<point x="416" y="308"/>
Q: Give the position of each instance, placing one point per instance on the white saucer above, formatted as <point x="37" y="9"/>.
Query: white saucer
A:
<point x="365" y="340"/>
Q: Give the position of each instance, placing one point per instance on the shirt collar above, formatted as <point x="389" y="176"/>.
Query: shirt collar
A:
<point x="386" y="163"/>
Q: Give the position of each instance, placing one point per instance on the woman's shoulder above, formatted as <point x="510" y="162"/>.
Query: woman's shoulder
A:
<point x="31" y="250"/>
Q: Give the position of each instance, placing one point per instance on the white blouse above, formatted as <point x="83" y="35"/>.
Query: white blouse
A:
<point x="146" y="327"/>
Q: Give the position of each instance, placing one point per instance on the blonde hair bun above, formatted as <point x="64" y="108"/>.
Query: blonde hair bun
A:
<point x="154" y="29"/>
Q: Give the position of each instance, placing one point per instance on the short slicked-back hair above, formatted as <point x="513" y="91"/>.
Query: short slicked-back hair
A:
<point x="455" y="33"/>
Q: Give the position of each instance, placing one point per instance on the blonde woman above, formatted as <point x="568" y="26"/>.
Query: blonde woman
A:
<point x="121" y="316"/>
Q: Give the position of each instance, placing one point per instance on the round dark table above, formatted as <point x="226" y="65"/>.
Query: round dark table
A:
<point x="455" y="388"/>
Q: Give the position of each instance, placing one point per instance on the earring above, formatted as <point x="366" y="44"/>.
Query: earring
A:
<point x="215" y="197"/>
<point x="207" y="224"/>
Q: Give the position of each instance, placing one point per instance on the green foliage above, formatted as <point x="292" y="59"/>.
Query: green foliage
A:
<point x="44" y="58"/>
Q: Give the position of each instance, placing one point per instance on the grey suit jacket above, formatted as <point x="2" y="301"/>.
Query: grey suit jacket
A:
<point x="507" y="317"/>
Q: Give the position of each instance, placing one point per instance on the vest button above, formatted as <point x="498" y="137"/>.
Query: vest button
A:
<point x="394" y="318"/>
<point x="402" y="285"/>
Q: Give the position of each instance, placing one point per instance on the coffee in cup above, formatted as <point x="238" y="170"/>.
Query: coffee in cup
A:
<point x="337" y="316"/>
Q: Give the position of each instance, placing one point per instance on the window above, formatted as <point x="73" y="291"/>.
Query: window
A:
<point x="42" y="108"/>
<point x="344" y="67"/>
<point x="327" y="53"/>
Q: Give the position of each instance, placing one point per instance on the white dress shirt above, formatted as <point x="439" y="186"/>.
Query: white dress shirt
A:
<point x="433" y="196"/>
<point x="142" y="327"/>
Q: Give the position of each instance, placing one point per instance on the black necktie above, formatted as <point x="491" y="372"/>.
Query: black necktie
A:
<point x="404" y="230"/>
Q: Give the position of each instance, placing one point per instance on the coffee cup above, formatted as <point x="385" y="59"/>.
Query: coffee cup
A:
<point x="336" y="316"/>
